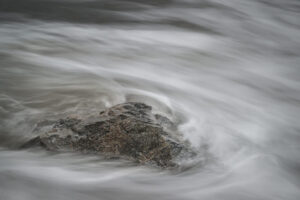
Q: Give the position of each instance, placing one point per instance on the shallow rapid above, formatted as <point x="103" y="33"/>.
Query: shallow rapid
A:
<point x="226" y="71"/>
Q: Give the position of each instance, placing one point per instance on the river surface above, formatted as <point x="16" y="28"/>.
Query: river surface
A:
<point x="227" y="71"/>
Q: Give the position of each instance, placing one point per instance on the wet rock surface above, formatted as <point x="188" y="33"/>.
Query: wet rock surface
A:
<point x="127" y="130"/>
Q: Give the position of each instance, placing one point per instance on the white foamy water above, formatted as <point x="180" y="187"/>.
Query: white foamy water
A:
<point x="226" y="71"/>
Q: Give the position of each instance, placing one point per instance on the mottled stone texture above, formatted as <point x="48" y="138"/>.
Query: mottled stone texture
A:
<point x="127" y="130"/>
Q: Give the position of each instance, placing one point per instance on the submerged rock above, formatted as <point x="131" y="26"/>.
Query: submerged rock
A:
<point x="127" y="130"/>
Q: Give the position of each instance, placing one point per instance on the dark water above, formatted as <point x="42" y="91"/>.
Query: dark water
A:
<point x="228" y="70"/>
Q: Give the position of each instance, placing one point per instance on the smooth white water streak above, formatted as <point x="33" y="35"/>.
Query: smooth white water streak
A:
<point x="226" y="71"/>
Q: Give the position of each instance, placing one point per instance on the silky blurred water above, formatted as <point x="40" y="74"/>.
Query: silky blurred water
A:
<point x="226" y="71"/>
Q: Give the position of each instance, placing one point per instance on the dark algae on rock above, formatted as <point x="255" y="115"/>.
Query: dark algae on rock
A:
<point x="127" y="130"/>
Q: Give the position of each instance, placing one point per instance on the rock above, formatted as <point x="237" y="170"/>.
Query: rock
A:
<point x="127" y="130"/>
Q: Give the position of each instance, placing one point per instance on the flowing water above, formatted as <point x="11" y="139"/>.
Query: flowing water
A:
<point x="226" y="71"/>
